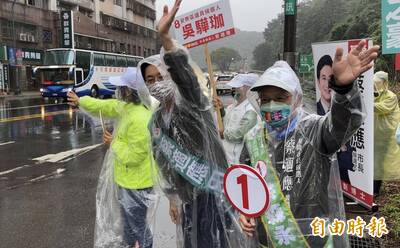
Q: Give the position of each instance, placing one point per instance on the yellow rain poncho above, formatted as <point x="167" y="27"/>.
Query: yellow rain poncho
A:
<point x="386" y="120"/>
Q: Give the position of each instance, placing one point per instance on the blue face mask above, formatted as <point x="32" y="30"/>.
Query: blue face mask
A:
<point x="275" y="114"/>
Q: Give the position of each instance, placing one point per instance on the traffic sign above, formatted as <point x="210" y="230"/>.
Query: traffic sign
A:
<point x="306" y="64"/>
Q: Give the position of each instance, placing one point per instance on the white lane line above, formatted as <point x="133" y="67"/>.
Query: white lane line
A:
<point x="15" y="169"/>
<point x="7" y="143"/>
<point x="35" y="106"/>
<point x="66" y="155"/>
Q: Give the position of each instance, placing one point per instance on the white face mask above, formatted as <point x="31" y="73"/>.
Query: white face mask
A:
<point x="162" y="91"/>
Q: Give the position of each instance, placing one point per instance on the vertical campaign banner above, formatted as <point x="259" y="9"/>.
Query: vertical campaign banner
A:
<point x="390" y="26"/>
<point x="356" y="157"/>
<point x="205" y="24"/>
<point x="67" y="29"/>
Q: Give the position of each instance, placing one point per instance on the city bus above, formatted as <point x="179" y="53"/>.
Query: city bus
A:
<point x="84" y="71"/>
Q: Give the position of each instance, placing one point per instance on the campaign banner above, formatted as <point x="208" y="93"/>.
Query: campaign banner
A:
<point x="390" y="26"/>
<point x="205" y="24"/>
<point x="356" y="157"/>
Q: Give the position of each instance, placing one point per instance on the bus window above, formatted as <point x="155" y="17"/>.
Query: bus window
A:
<point x="132" y="62"/>
<point x="121" y="61"/>
<point x="83" y="61"/>
<point x="110" y="60"/>
<point x="58" y="57"/>
<point x="98" y="59"/>
<point x="59" y="76"/>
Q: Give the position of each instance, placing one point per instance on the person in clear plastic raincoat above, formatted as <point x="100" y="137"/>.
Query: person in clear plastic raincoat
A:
<point x="239" y="117"/>
<point x="125" y="199"/>
<point x="386" y="120"/>
<point x="299" y="151"/>
<point x="187" y="149"/>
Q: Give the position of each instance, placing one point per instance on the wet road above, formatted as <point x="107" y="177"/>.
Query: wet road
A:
<point x="50" y="159"/>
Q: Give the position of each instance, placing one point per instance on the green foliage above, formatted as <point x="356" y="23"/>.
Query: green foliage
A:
<point x="326" y="20"/>
<point x="243" y="41"/>
<point x="391" y="212"/>
<point x="223" y="57"/>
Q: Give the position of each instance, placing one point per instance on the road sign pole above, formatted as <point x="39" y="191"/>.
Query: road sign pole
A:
<point x="289" y="49"/>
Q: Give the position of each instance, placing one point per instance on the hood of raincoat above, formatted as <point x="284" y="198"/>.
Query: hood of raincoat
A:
<point x="144" y="92"/>
<point x="282" y="76"/>
<point x="156" y="61"/>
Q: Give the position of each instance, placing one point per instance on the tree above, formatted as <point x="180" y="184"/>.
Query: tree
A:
<point x="223" y="57"/>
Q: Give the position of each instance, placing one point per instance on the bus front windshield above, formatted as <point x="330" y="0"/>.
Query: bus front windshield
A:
<point x="59" y="57"/>
<point x="56" y="76"/>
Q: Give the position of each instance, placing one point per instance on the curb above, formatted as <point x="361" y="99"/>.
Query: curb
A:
<point x="22" y="96"/>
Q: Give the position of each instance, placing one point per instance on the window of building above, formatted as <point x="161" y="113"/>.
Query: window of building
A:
<point x="122" y="48"/>
<point x="139" y="53"/>
<point x="31" y="2"/>
<point x="118" y="2"/>
<point x="47" y="36"/>
<point x="6" y="29"/>
<point x="129" y="49"/>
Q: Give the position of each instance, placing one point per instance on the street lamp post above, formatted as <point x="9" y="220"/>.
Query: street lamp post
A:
<point x="17" y="89"/>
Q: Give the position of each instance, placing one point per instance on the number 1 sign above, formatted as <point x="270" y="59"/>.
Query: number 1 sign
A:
<point x="246" y="190"/>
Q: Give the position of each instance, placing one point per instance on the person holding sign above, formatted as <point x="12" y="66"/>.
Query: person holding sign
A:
<point x="297" y="147"/>
<point x="127" y="174"/>
<point x="190" y="157"/>
<point x="386" y="119"/>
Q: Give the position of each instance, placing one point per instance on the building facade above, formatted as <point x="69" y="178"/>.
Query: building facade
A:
<point x="29" y="27"/>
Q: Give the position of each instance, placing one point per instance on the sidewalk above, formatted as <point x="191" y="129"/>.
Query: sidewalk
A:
<point x="24" y="95"/>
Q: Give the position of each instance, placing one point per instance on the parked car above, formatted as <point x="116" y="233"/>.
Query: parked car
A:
<point x="222" y="84"/>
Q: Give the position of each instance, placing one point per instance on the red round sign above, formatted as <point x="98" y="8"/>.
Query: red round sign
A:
<point x="246" y="190"/>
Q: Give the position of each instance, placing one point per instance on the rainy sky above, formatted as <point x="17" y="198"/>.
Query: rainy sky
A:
<point x="246" y="16"/>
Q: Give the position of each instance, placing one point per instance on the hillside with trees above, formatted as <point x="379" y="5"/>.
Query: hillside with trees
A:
<point x="325" y="20"/>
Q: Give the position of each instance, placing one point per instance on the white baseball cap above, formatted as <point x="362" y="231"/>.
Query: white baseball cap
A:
<point x="241" y="80"/>
<point x="279" y="75"/>
<point x="129" y="79"/>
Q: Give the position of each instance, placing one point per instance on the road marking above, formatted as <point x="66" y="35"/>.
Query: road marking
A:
<point x="66" y="155"/>
<point x="7" y="143"/>
<point x="15" y="169"/>
<point x="35" y="116"/>
<point x="34" y="106"/>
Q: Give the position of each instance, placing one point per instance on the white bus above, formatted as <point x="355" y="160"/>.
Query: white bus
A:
<point x="84" y="71"/>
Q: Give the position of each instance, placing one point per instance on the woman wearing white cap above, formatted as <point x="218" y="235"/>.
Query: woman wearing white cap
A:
<point x="131" y="159"/>
<point x="298" y="148"/>
<point x="239" y="117"/>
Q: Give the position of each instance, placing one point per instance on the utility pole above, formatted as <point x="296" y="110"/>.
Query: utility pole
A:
<point x="17" y="89"/>
<point x="289" y="43"/>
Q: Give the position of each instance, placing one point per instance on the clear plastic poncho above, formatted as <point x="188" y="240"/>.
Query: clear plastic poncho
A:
<point x="303" y="155"/>
<point x="386" y="121"/>
<point x="189" y="154"/>
<point x="125" y="199"/>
